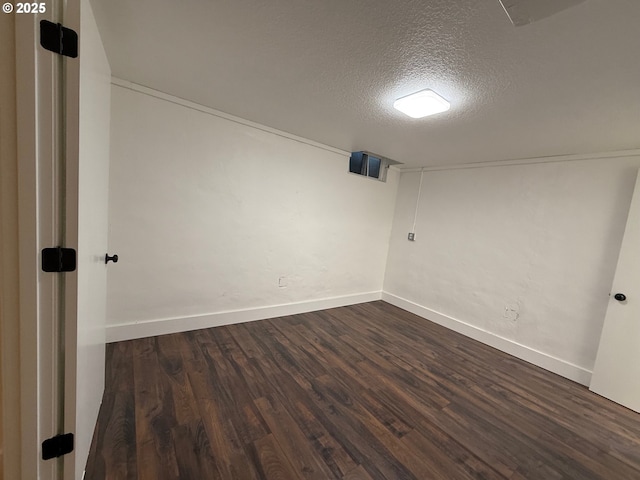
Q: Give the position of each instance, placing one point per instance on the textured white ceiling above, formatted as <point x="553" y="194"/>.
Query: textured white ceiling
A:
<point x="329" y="70"/>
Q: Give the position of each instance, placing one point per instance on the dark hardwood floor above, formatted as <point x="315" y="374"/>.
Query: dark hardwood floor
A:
<point x="356" y="393"/>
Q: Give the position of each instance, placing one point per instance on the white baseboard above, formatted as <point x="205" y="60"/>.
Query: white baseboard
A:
<point x="151" y="328"/>
<point x="528" y="354"/>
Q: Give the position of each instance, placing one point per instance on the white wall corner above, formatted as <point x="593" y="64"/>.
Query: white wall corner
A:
<point x="543" y="360"/>
<point x="151" y="328"/>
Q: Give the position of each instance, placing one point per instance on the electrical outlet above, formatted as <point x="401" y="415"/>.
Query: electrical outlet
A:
<point x="411" y="237"/>
<point x="282" y="282"/>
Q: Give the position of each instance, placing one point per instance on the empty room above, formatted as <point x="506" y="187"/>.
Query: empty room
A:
<point x="321" y="240"/>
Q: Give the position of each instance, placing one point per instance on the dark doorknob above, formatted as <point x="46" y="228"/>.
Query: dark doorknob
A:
<point x="621" y="297"/>
<point x="113" y="258"/>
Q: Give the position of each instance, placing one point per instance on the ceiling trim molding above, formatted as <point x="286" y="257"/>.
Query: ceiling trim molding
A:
<point x="216" y="113"/>
<point x="529" y="161"/>
<point x="497" y="163"/>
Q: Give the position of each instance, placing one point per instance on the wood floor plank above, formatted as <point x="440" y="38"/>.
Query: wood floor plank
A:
<point x="239" y="408"/>
<point x="297" y="448"/>
<point x="365" y="392"/>
<point x="315" y="425"/>
<point x="171" y="361"/>
<point x="193" y="452"/>
<point x="358" y="473"/>
<point x="154" y="414"/>
<point x="227" y="448"/>
<point x="386" y="444"/>
<point x="113" y="449"/>
<point x="272" y="461"/>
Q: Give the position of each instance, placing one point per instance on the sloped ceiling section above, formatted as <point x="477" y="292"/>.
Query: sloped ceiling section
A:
<point x="330" y="70"/>
<point x="523" y="12"/>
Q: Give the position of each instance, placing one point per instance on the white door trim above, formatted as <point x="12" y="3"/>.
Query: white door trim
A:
<point x="27" y="237"/>
<point x="9" y="248"/>
<point x="38" y="143"/>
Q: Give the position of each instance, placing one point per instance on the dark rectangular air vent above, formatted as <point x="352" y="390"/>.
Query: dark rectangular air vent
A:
<point x="370" y="165"/>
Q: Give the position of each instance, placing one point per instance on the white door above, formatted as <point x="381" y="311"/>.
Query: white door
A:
<point x="616" y="374"/>
<point x="91" y="215"/>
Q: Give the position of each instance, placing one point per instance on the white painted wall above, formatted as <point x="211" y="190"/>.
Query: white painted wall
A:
<point x="95" y="105"/>
<point x="212" y="216"/>
<point x="537" y="241"/>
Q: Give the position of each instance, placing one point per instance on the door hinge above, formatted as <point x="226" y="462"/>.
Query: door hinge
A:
<point x="57" y="446"/>
<point x="58" y="259"/>
<point x="58" y="39"/>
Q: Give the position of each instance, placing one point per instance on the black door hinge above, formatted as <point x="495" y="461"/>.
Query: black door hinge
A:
<point x="57" y="446"/>
<point x="58" y="39"/>
<point x="58" y="259"/>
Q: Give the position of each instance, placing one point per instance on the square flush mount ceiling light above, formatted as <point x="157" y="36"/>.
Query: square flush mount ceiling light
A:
<point x="421" y="104"/>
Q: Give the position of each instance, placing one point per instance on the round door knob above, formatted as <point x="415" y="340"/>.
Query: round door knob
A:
<point x="113" y="258"/>
<point x="621" y="297"/>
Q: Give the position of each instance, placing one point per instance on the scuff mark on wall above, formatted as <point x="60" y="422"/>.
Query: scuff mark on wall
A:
<point x="512" y="312"/>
